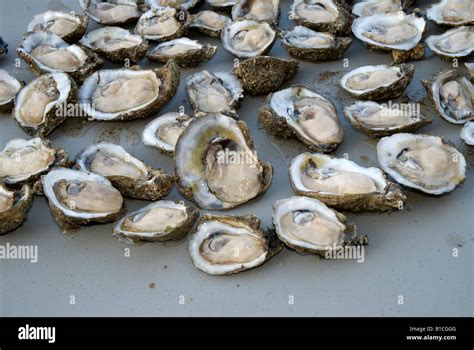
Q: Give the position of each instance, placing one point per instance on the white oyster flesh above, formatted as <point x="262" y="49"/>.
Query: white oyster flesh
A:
<point x="374" y="7"/>
<point x="221" y="3"/>
<point x="184" y="4"/>
<point x="176" y="47"/>
<point x="57" y="22"/>
<point x="311" y="115"/>
<point x="108" y="159"/>
<point x="248" y="38"/>
<point x="323" y="174"/>
<point x="51" y="53"/>
<point x="41" y="96"/>
<point x="159" y="23"/>
<point x="21" y="159"/>
<point x="423" y="162"/>
<point x="209" y="20"/>
<point x="324" y="11"/>
<point x="307" y="224"/>
<point x="111" y="11"/>
<point x="457" y="42"/>
<point x="111" y="39"/>
<point x="467" y="133"/>
<point x="393" y="30"/>
<point x="79" y="194"/>
<point x="369" y="78"/>
<point x="452" y="12"/>
<point x="109" y="93"/>
<point x="164" y="131"/>
<point x="377" y="116"/>
<point x="9" y="87"/>
<point x="258" y="10"/>
<point x="221" y="248"/>
<point x="306" y="38"/>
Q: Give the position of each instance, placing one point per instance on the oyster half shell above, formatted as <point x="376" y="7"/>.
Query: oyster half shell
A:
<point x="78" y="198"/>
<point x="163" y="23"/>
<point x="455" y="43"/>
<point x="467" y="133"/>
<point x="302" y="113"/>
<point x="111" y="12"/>
<point x="69" y="26"/>
<point x="9" y="87"/>
<point x="343" y="184"/>
<point x="223" y="170"/>
<point x="225" y="245"/>
<point x="130" y="176"/>
<point x="160" y="221"/>
<point x="178" y="4"/>
<point x="258" y="10"/>
<point x="422" y="162"/>
<point x="452" y="13"/>
<point x="128" y="94"/>
<point x="308" y="226"/>
<point x="209" y="23"/>
<point x="374" y="7"/>
<point x="186" y="52"/>
<point x="14" y="206"/>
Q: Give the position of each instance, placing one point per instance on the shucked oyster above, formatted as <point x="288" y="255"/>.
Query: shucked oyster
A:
<point x="455" y="43"/>
<point x="41" y="106"/>
<point x="322" y="16"/>
<point x="130" y="176"/>
<point x="248" y="38"/>
<point x="222" y="171"/>
<point x="160" y="221"/>
<point x="179" y="4"/>
<point x="343" y="184"/>
<point x="46" y="52"/>
<point x="14" y="206"/>
<point x="218" y="92"/>
<point x="307" y="44"/>
<point x="186" y="52"/>
<point x="164" y="131"/>
<point x="111" y="12"/>
<point x="163" y="23"/>
<point x="378" y="120"/>
<point x="264" y="74"/>
<point x="78" y="198"/>
<point x="69" y="26"/>
<point x="374" y="7"/>
<point x="452" y="96"/>
<point x="397" y="33"/>
<point x="9" y="87"/>
<point x="452" y="12"/>
<point x="209" y="23"/>
<point x="308" y="226"/>
<point x="258" y="10"/>
<point x="467" y="133"/>
<point x="302" y="113"/>
<point x="24" y="161"/>
<point x="425" y="163"/>
<point x="128" y="94"/>
<point x="116" y="44"/>
<point x="221" y="4"/>
<point x="225" y="245"/>
<point x="381" y="82"/>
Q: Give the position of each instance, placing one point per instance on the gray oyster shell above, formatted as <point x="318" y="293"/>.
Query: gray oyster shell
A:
<point x="14" y="207"/>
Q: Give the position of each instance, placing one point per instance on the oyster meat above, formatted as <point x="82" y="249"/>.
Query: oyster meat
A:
<point x="218" y="92"/>
<point x="41" y="105"/>
<point x="209" y="23"/>
<point x="46" y="52"/>
<point x="452" y="12"/>
<point x="322" y="15"/>
<point x="186" y="52"/>
<point x="308" y="226"/>
<point x="264" y="74"/>
<point x="302" y="113"/>
<point x="178" y="4"/>
<point x="225" y="245"/>
<point x="223" y="170"/>
<point x="24" y="161"/>
<point x="130" y="176"/>
<point x="455" y="43"/>
<point x="128" y="94"/>
<point x="79" y="198"/>
<point x="221" y="5"/>
<point x="452" y="95"/>
<point x="69" y="26"/>
<point x="343" y="184"/>
<point x="248" y="38"/>
<point x="160" y="221"/>
<point x="258" y="10"/>
<point x="163" y="23"/>
<point x="14" y="206"/>
<point x="116" y="44"/>
<point x="9" y="87"/>
<point x="306" y="44"/>
<point x="467" y="133"/>
<point x="381" y="82"/>
<point x="164" y="131"/>
<point x="374" y="7"/>
<point x="111" y="12"/>
<point x="378" y="120"/>
<point x="422" y="162"/>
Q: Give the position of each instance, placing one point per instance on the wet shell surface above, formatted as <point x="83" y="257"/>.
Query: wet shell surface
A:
<point x="163" y="24"/>
<point x="14" y="207"/>
<point x="69" y="26"/>
<point x="374" y="7"/>
<point x="452" y="13"/>
<point x="9" y="87"/>
<point x="258" y="10"/>
<point x="111" y="12"/>
<point x="209" y="23"/>
<point x="186" y="52"/>
<point x="454" y="43"/>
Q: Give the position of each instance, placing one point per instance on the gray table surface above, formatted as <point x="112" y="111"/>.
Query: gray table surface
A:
<point x="410" y="252"/>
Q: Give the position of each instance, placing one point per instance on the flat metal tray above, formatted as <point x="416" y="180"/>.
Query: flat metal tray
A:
<point x="410" y="252"/>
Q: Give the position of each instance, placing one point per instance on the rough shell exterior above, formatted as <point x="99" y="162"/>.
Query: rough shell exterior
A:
<point x="189" y="59"/>
<point x="15" y="216"/>
<point x="319" y="54"/>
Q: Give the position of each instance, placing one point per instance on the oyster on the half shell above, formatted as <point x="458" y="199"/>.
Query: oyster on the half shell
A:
<point x="455" y="43"/>
<point x="186" y="52"/>
<point x="209" y="23"/>
<point x="14" y="206"/>
<point x="467" y="133"/>
<point x="374" y="7"/>
<point x="452" y="13"/>
<point x="69" y="26"/>
<point x="178" y="4"/>
<point x="111" y="12"/>
<point x="9" y="87"/>
<point x="163" y="23"/>
<point x="258" y="10"/>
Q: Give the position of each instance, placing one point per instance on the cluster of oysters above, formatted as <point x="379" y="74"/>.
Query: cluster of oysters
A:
<point x="205" y="145"/>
